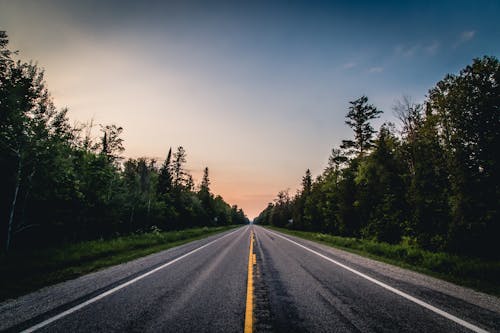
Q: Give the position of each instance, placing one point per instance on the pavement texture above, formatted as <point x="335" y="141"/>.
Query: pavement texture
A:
<point x="309" y="294"/>
<point x="295" y="290"/>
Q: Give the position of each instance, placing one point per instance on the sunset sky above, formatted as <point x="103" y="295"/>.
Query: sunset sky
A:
<point x="255" y="91"/>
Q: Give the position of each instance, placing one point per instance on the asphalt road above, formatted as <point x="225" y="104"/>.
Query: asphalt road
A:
<point x="299" y="286"/>
<point x="308" y="293"/>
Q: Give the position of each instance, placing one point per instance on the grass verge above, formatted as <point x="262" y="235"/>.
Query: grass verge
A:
<point x="475" y="273"/>
<point x="23" y="272"/>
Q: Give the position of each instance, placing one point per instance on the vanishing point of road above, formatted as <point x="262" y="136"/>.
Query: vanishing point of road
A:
<point x="253" y="279"/>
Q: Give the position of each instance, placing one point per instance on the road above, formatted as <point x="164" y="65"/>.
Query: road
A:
<point x="298" y="286"/>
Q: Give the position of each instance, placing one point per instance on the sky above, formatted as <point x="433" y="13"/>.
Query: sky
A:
<point x="256" y="90"/>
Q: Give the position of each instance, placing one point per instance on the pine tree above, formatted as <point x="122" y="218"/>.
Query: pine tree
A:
<point x="205" y="182"/>
<point x="178" y="168"/>
<point x="306" y="183"/>
<point x="165" y="177"/>
<point x="358" y="118"/>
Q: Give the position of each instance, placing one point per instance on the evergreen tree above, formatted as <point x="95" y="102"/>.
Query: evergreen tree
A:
<point x="381" y="189"/>
<point x="60" y="184"/>
<point x="306" y="183"/>
<point x="299" y="203"/>
<point x="358" y="118"/>
<point x="179" y="173"/>
<point x="205" y="182"/>
<point x="165" y="179"/>
<point x="206" y="197"/>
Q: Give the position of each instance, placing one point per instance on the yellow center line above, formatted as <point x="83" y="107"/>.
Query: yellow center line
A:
<point x="249" y="306"/>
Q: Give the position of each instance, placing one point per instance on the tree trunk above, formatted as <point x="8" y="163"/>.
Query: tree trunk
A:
<point x="13" y="206"/>
<point x="131" y="220"/>
<point x="22" y="222"/>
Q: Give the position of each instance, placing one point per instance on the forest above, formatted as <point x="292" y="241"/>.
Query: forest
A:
<point x="432" y="181"/>
<point x="61" y="184"/>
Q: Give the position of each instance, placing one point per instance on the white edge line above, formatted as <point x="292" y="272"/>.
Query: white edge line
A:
<point x="447" y="315"/>
<point x="115" y="289"/>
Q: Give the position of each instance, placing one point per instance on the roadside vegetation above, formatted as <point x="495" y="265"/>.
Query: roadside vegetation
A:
<point x="476" y="273"/>
<point x="28" y="270"/>
<point x="424" y="192"/>
<point x="62" y="183"/>
<point x="70" y="203"/>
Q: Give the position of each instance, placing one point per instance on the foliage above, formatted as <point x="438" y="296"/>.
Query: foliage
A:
<point x="358" y="118"/>
<point x="436" y="183"/>
<point x="61" y="185"/>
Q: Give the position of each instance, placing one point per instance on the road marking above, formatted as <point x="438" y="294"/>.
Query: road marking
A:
<point x="121" y="286"/>
<point x="447" y="315"/>
<point x="249" y="305"/>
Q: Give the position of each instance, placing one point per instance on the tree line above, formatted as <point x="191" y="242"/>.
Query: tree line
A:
<point x="434" y="182"/>
<point x="59" y="183"/>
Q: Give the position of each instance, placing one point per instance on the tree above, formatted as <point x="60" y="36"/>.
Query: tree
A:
<point x="206" y="197"/>
<point x="381" y="189"/>
<point x="237" y="215"/>
<point x="178" y="168"/>
<point x="111" y="143"/>
<point x="60" y="184"/>
<point x="411" y="116"/>
<point x="299" y="202"/>
<point x="5" y="53"/>
<point x="165" y="179"/>
<point x="265" y="216"/>
<point x="205" y="182"/>
<point x="467" y="107"/>
<point x="282" y="211"/>
<point x="358" y="118"/>
<point x="336" y="161"/>
<point x="437" y="184"/>
<point x="428" y="185"/>
<point x="30" y="126"/>
<point x="306" y="183"/>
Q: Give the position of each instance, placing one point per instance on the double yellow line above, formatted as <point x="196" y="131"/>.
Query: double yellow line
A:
<point x="249" y="307"/>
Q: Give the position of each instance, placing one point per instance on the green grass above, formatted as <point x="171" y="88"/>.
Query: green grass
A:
<point x="475" y="273"/>
<point x="22" y="272"/>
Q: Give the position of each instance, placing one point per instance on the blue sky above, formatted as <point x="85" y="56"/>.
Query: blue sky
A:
<point x="256" y="91"/>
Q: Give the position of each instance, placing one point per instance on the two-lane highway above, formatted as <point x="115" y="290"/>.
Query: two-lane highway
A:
<point x="295" y="286"/>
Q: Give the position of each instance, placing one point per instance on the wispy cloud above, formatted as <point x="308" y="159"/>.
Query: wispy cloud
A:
<point x="432" y="47"/>
<point x="349" y="65"/>
<point x="407" y="50"/>
<point x="465" y="37"/>
<point x="376" y="70"/>
<point x="411" y="50"/>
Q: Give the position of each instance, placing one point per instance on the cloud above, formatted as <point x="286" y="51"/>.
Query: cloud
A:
<point x="349" y="65"/>
<point x="433" y="47"/>
<point x="376" y="70"/>
<point x="410" y="50"/>
<point x="467" y="36"/>
<point x="407" y="50"/>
